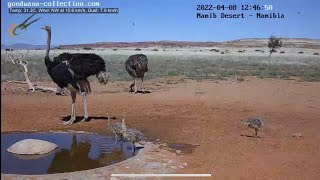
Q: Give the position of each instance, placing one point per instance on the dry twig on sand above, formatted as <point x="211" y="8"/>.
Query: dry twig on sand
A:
<point x="21" y="62"/>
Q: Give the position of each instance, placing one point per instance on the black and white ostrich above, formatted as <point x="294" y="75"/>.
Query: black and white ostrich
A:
<point x="71" y="71"/>
<point x="137" y="65"/>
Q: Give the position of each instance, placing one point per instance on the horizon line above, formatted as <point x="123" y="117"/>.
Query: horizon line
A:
<point x="158" y="41"/>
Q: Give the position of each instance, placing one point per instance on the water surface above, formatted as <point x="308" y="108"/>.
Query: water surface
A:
<point x="75" y="152"/>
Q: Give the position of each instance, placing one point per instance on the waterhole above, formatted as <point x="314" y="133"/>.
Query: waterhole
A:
<point x="75" y="152"/>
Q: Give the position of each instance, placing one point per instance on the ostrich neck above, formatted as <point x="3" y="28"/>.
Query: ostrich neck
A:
<point x="124" y="124"/>
<point x="48" y="43"/>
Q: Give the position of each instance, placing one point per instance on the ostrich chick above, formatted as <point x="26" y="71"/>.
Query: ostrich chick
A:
<point x="116" y="129"/>
<point x="255" y="123"/>
<point x="131" y="135"/>
<point x="136" y="66"/>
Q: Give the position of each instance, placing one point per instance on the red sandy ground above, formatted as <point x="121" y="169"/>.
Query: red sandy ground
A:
<point x="204" y="113"/>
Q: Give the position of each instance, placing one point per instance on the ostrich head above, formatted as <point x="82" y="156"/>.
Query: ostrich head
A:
<point x="244" y="122"/>
<point x="47" y="28"/>
<point x="123" y="119"/>
<point x="122" y="116"/>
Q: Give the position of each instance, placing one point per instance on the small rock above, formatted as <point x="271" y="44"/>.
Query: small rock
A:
<point x="57" y="131"/>
<point x="170" y="161"/>
<point x="185" y="164"/>
<point x="32" y="146"/>
<point x="173" y="167"/>
<point x="153" y="165"/>
<point x="179" y="152"/>
<point x="181" y="167"/>
<point x="297" y="135"/>
<point x="164" y="164"/>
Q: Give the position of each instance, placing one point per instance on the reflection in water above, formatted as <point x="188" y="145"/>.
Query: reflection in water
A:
<point x="77" y="158"/>
<point x="75" y="152"/>
<point x="33" y="156"/>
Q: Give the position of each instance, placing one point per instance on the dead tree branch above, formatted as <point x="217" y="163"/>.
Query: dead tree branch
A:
<point x="21" y="62"/>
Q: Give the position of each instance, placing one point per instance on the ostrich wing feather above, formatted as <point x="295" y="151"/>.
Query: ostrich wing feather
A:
<point x="83" y="65"/>
<point x="137" y="65"/>
<point x="130" y="69"/>
<point x="61" y="75"/>
<point x="133" y="134"/>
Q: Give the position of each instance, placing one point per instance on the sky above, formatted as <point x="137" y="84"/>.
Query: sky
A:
<point x="157" y="20"/>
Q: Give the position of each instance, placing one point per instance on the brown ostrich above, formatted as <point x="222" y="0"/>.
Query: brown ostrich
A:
<point x="254" y="123"/>
<point x="137" y="65"/>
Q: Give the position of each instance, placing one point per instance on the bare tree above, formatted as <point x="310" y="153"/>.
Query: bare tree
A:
<point x="20" y="61"/>
<point x="274" y="43"/>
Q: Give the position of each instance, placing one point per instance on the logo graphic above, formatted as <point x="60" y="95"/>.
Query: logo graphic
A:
<point x="13" y="28"/>
<point x="10" y="29"/>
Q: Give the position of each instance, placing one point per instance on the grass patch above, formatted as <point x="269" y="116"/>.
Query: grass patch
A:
<point x="193" y="66"/>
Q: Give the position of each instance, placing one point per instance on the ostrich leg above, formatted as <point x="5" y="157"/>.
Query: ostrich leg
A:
<point x="142" y="85"/>
<point x="135" y="85"/>
<point x="131" y="90"/>
<point x="73" y="109"/>
<point x="86" y="116"/>
<point x="133" y="146"/>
